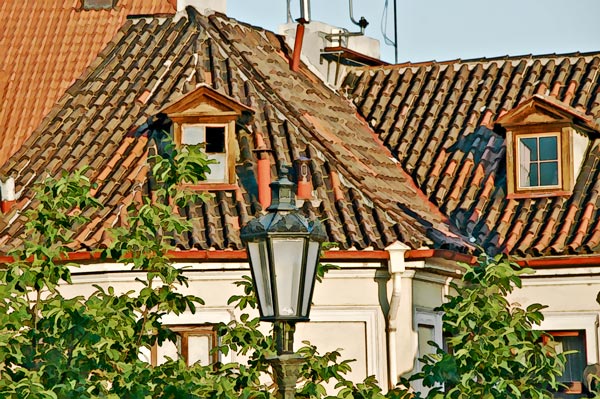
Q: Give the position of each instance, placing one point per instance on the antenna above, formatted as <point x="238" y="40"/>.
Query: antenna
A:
<point x="289" y="12"/>
<point x="362" y="23"/>
<point x="384" y="20"/>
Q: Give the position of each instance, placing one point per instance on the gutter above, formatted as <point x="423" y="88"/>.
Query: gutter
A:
<point x="333" y="255"/>
<point x="556" y="263"/>
<point x="224" y="255"/>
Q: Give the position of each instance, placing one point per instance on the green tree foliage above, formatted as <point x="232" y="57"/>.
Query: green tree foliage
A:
<point x="495" y="350"/>
<point x="56" y="347"/>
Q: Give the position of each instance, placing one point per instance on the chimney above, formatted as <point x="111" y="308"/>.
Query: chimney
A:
<point x="304" y="19"/>
<point x="98" y="4"/>
<point x="203" y="5"/>
<point x="263" y="171"/>
<point x="303" y="180"/>
<point x="7" y="194"/>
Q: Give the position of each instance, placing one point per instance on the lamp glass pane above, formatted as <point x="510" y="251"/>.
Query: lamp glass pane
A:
<point x="312" y="259"/>
<point x="287" y="258"/>
<point x="259" y="261"/>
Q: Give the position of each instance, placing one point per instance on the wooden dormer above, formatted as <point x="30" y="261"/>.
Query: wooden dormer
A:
<point x="207" y="117"/>
<point x="546" y="142"/>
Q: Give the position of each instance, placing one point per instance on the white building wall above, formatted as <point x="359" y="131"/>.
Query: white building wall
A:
<point x="349" y="312"/>
<point x="570" y="294"/>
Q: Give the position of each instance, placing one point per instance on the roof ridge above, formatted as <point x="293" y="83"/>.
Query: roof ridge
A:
<point x="458" y="61"/>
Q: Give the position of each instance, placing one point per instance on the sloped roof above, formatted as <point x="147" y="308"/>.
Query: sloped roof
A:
<point x="363" y="196"/>
<point x="437" y="120"/>
<point x="45" y="46"/>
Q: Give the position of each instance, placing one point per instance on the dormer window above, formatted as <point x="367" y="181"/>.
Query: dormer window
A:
<point x="207" y="117"/>
<point x="546" y="141"/>
<point x="214" y="139"/>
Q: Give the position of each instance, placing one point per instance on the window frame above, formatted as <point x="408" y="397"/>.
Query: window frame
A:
<point x="565" y="165"/>
<point x="538" y="137"/>
<point x="184" y="332"/>
<point x="179" y="122"/>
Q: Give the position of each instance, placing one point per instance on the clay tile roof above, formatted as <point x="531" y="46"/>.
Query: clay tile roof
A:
<point x="437" y="119"/>
<point x="363" y="195"/>
<point x="45" y="46"/>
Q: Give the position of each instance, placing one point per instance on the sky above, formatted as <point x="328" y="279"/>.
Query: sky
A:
<point x="449" y="29"/>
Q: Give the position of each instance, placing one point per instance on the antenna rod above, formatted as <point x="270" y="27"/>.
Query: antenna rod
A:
<point x="289" y="12"/>
<point x="395" y="32"/>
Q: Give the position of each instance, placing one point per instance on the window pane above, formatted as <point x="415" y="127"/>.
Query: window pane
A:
<point x="576" y="362"/>
<point x="549" y="173"/>
<point x="218" y="170"/>
<point x="192" y="134"/>
<point x="215" y="139"/>
<point x="426" y="334"/>
<point x="548" y="148"/>
<point x="529" y="149"/>
<point x="168" y="350"/>
<point x="199" y="347"/>
<point x="533" y="178"/>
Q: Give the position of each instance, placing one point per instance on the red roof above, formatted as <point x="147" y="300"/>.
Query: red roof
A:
<point x="37" y="42"/>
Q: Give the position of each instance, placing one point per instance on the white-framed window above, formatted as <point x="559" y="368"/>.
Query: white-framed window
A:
<point x="214" y="139"/>
<point x="539" y="161"/>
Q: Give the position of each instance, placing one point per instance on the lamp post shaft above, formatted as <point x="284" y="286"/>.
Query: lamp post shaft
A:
<point x="286" y="365"/>
<point x="284" y="337"/>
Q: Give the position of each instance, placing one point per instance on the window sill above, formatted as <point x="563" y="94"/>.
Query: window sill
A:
<point x="539" y="194"/>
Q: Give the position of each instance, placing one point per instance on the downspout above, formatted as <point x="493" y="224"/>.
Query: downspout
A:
<point x="396" y="268"/>
<point x="7" y="194"/>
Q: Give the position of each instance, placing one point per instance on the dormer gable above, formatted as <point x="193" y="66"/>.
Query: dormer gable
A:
<point x="206" y="117"/>
<point x="205" y="102"/>
<point x="546" y="142"/>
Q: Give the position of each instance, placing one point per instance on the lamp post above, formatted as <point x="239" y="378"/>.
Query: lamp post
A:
<point x="283" y="249"/>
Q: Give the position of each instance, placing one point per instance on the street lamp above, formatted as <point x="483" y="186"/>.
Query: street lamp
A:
<point x="283" y="248"/>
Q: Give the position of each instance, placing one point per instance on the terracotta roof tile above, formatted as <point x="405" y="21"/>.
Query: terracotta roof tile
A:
<point x="38" y="42"/>
<point x="162" y="59"/>
<point x="442" y="136"/>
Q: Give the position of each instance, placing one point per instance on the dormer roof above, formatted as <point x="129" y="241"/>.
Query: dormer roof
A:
<point x="205" y="101"/>
<point x="540" y="109"/>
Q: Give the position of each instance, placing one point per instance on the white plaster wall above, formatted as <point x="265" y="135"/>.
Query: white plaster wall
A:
<point x="346" y="312"/>
<point x="570" y="295"/>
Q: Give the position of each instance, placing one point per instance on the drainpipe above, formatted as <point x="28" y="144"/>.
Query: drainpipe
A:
<point x="7" y="194"/>
<point x="396" y="268"/>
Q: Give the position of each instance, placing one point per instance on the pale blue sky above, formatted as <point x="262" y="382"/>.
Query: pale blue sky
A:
<point x="446" y="29"/>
